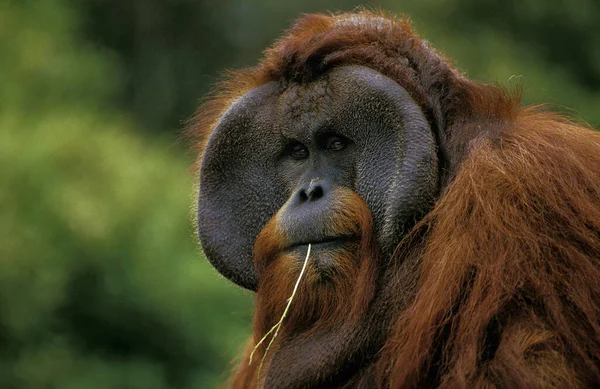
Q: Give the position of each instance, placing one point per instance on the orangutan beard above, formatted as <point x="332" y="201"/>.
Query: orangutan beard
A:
<point x="339" y="280"/>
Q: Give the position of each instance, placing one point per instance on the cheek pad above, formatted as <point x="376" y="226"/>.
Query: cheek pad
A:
<point x="397" y="170"/>
<point x="239" y="191"/>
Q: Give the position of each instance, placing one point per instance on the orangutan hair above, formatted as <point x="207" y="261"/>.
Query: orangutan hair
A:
<point x="455" y="233"/>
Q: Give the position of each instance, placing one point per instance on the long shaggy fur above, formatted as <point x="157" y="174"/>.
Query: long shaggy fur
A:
<point x="318" y="304"/>
<point x="509" y="292"/>
<point x="497" y="287"/>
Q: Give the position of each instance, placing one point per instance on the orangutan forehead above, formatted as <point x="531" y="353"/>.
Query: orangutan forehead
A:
<point x="304" y="102"/>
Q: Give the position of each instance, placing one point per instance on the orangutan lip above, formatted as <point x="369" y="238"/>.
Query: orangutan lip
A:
<point x="330" y="242"/>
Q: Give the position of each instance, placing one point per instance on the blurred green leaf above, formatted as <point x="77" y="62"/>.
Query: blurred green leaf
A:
<point x="101" y="281"/>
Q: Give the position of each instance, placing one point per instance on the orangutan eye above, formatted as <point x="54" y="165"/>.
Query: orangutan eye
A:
<point x="336" y="143"/>
<point x="298" y="151"/>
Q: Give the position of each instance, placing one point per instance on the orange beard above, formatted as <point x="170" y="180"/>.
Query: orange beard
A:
<point x="338" y="283"/>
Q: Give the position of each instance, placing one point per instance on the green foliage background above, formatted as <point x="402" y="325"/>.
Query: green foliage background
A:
<point x="102" y="284"/>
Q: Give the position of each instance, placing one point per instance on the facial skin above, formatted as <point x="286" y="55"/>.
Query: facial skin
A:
<point x="286" y="149"/>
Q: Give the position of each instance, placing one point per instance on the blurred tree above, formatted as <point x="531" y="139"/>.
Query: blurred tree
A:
<point x="101" y="284"/>
<point x="171" y="51"/>
<point x="563" y="33"/>
<point x="551" y="47"/>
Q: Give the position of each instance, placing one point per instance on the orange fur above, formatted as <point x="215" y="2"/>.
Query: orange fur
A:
<point x="508" y="289"/>
<point x="520" y="225"/>
<point x="317" y="304"/>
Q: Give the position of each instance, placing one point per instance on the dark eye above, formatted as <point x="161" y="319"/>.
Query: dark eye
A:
<point x="336" y="143"/>
<point x="298" y="151"/>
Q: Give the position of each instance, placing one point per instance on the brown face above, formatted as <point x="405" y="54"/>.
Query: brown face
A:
<point x="345" y="162"/>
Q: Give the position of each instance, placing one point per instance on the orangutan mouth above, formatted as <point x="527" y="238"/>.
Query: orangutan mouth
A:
<point x="328" y="243"/>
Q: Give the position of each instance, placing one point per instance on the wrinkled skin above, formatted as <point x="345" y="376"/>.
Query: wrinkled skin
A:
<point x="388" y="157"/>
